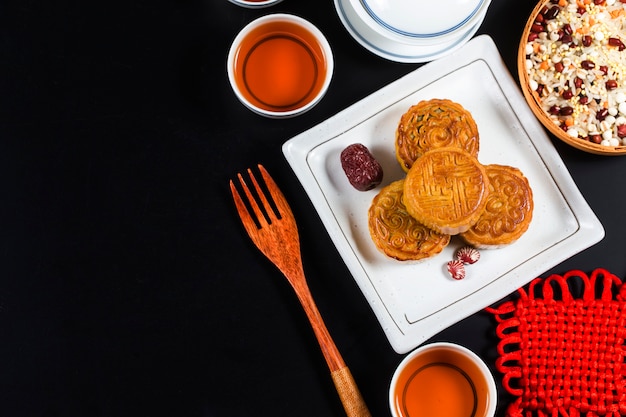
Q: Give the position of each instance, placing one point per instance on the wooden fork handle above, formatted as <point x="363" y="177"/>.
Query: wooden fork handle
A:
<point x="349" y="393"/>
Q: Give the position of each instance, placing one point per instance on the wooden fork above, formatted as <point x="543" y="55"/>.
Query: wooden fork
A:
<point x="277" y="237"/>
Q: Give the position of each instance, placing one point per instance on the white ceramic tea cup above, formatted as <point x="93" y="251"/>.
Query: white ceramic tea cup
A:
<point x="255" y="4"/>
<point x="442" y="380"/>
<point x="280" y="65"/>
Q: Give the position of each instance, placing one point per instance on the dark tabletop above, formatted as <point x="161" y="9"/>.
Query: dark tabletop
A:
<point x="128" y="286"/>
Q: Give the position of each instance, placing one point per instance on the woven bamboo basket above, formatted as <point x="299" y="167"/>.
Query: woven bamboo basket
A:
<point x="533" y="100"/>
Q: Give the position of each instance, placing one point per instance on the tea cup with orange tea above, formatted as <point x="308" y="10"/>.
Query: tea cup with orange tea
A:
<point x="442" y="380"/>
<point x="255" y="4"/>
<point x="280" y="65"/>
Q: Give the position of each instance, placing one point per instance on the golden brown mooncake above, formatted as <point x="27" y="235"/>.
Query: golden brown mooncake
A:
<point x="446" y="190"/>
<point x="508" y="212"/>
<point x="396" y="233"/>
<point x="432" y="124"/>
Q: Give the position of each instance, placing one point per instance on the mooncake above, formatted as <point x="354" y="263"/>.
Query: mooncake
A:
<point x="396" y="233"/>
<point x="508" y="211"/>
<point x="446" y="190"/>
<point x="432" y="124"/>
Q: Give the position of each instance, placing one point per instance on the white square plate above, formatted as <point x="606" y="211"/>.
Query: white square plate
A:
<point x="414" y="301"/>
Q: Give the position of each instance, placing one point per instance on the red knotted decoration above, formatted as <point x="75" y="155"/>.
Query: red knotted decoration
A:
<point x="563" y="356"/>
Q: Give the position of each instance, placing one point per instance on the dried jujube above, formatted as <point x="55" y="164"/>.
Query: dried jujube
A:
<point x="362" y="169"/>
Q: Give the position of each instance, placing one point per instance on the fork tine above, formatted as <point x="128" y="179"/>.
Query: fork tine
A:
<point x="244" y="213"/>
<point x="271" y="215"/>
<point x="262" y="221"/>
<point x="284" y="211"/>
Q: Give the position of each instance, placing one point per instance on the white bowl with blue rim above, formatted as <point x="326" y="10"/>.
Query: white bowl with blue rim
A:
<point x="255" y="4"/>
<point x="412" y="30"/>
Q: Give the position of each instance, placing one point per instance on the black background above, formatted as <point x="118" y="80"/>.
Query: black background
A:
<point x="127" y="285"/>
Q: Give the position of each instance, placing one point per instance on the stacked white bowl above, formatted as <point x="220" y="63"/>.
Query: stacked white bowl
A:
<point x="412" y="30"/>
<point x="255" y="4"/>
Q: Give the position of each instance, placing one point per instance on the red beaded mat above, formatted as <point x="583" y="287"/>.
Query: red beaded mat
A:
<point x="563" y="354"/>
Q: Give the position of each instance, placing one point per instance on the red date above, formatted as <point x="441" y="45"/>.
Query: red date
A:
<point x="363" y="170"/>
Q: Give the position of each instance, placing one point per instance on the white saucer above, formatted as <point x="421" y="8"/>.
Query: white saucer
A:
<point x="395" y="49"/>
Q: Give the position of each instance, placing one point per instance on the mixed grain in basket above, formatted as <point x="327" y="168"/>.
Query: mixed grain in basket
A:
<point x="576" y="64"/>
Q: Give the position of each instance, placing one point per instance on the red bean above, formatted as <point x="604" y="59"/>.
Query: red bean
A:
<point x="539" y="89"/>
<point x="595" y="138"/>
<point x="587" y="64"/>
<point x="578" y="82"/>
<point x="555" y="110"/>
<point x="601" y="114"/>
<point x="611" y="85"/>
<point x="618" y="43"/>
<point x="566" y="111"/>
<point x="558" y="67"/>
<point x="583" y="99"/>
<point x="621" y="131"/>
<point x="552" y="12"/>
<point x="604" y="69"/>
<point x="567" y="94"/>
<point x="536" y="28"/>
<point x="567" y="29"/>
<point x="587" y="39"/>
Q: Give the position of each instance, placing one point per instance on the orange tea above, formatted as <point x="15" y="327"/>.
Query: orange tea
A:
<point x="280" y="66"/>
<point x="442" y="382"/>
